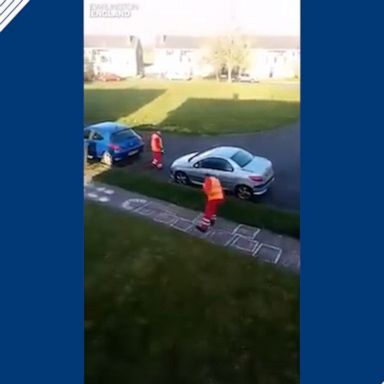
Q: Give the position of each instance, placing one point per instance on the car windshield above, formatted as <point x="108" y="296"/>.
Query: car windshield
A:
<point x="242" y="158"/>
<point x="122" y="135"/>
<point x="196" y="155"/>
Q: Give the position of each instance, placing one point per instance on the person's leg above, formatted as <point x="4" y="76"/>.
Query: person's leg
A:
<point x="215" y="207"/>
<point x="213" y="212"/>
<point x="154" y="159"/>
<point x="159" y="158"/>
<point x="206" y="219"/>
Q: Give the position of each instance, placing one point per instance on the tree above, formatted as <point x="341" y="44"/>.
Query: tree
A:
<point x="216" y="57"/>
<point x="230" y="52"/>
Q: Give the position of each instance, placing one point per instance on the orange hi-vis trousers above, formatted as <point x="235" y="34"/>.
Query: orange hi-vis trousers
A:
<point x="210" y="212"/>
<point x="157" y="159"/>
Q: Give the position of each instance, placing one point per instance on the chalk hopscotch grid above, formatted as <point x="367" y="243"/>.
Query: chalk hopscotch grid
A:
<point x="9" y="10"/>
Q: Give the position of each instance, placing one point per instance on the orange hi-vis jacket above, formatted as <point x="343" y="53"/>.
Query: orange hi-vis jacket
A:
<point x="156" y="143"/>
<point x="213" y="189"/>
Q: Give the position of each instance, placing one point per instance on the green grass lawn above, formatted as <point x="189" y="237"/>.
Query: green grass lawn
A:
<point x="199" y="106"/>
<point x="163" y="307"/>
<point x="248" y="213"/>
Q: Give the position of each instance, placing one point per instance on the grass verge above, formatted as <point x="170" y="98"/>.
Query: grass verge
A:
<point x="248" y="213"/>
<point x="163" y="307"/>
<point x="193" y="107"/>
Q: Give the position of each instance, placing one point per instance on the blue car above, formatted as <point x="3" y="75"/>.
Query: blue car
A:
<point x="111" y="142"/>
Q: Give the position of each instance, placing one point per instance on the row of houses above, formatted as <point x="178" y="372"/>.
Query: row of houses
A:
<point x="269" y="56"/>
<point x="119" y="55"/>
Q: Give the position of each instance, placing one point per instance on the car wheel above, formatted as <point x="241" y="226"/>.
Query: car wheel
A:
<point x="107" y="159"/>
<point x="244" y="192"/>
<point x="181" y="178"/>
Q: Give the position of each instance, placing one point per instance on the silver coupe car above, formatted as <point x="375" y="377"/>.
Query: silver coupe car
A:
<point x="238" y="170"/>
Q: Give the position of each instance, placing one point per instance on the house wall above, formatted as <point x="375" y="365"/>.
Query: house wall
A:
<point x="173" y="61"/>
<point x="263" y="63"/>
<point x="183" y="61"/>
<point x="201" y="66"/>
<point x="122" y="62"/>
<point x="296" y="64"/>
<point x="277" y="64"/>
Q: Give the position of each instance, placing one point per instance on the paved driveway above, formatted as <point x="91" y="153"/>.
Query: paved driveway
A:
<point x="281" y="146"/>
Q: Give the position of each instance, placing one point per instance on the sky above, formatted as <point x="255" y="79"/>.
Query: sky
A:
<point x="197" y="17"/>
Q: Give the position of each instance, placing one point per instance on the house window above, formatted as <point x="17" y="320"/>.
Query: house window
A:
<point x="185" y="56"/>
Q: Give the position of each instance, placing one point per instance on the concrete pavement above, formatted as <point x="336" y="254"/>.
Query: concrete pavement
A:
<point x="258" y="243"/>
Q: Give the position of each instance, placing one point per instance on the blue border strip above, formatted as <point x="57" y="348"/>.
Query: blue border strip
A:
<point x="41" y="257"/>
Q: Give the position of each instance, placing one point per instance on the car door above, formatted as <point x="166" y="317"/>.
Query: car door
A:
<point x="219" y="168"/>
<point x="206" y="166"/>
<point x="98" y="144"/>
<point x="223" y="170"/>
<point x="198" y="171"/>
<point x="195" y="173"/>
<point x="91" y="149"/>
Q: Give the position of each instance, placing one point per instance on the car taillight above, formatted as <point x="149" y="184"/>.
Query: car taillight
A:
<point x="256" y="178"/>
<point x="114" y="147"/>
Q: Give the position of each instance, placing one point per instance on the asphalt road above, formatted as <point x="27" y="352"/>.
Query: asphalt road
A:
<point x="281" y="146"/>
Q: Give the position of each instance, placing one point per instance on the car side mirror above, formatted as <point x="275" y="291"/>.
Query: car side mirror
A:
<point x="196" y="165"/>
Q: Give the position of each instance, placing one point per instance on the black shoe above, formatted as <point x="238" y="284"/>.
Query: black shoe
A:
<point x="213" y="222"/>
<point x="201" y="229"/>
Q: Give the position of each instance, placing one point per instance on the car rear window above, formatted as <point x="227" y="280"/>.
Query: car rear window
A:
<point x="123" y="135"/>
<point x="242" y="158"/>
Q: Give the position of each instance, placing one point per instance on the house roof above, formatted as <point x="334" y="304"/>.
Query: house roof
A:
<point x="180" y="42"/>
<point x="274" y="42"/>
<point x="196" y="42"/>
<point x="110" y="41"/>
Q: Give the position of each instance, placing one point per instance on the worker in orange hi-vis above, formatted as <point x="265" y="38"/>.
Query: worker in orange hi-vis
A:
<point x="215" y="196"/>
<point x="157" y="150"/>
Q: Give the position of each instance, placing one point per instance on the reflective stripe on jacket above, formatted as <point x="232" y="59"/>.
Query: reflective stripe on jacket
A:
<point x="213" y="189"/>
<point x="156" y="143"/>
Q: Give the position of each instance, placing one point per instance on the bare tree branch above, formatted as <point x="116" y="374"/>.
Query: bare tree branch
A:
<point x="231" y="52"/>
